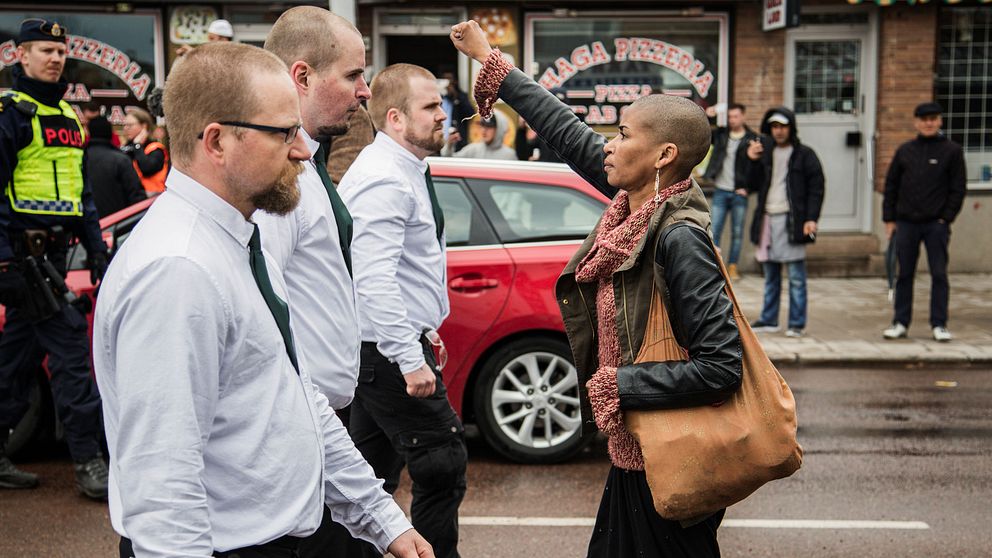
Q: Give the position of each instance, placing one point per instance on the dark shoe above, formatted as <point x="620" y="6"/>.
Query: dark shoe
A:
<point x="91" y="478"/>
<point x="12" y="477"/>
<point x="762" y="327"/>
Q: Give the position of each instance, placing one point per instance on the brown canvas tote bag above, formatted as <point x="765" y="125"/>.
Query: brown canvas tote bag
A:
<point x="700" y="460"/>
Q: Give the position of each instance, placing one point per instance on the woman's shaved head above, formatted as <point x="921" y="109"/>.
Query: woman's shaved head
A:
<point x="677" y="120"/>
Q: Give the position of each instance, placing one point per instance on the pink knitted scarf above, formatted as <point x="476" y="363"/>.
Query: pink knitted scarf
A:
<point x="617" y="236"/>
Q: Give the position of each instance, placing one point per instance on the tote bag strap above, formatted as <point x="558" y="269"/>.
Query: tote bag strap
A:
<point x="659" y="343"/>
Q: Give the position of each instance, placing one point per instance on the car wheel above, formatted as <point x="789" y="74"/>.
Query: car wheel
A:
<point x="34" y="430"/>
<point x="527" y="402"/>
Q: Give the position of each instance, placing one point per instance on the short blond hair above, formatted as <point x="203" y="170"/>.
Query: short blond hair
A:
<point x="391" y="90"/>
<point x="213" y="84"/>
<point x="308" y="34"/>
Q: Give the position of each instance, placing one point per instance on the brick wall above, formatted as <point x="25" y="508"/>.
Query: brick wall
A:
<point x="758" y="60"/>
<point x="907" y="47"/>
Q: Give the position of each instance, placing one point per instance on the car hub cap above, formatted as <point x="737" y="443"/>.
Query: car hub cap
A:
<point x="535" y="400"/>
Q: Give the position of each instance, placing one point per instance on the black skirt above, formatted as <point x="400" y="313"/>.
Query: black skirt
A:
<point x="628" y="526"/>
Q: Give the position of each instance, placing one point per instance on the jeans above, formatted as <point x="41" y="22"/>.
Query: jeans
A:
<point x="736" y="205"/>
<point x="935" y="236"/>
<point x="797" y="293"/>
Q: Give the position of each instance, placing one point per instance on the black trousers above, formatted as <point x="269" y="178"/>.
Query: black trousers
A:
<point x="283" y="547"/>
<point x="393" y="429"/>
<point x="935" y="236"/>
<point x="63" y="337"/>
<point x="627" y="525"/>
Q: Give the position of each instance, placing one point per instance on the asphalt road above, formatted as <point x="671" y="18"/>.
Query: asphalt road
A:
<point x="902" y="458"/>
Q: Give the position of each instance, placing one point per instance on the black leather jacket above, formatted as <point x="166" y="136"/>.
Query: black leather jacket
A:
<point x="684" y="262"/>
<point x="703" y="324"/>
<point x="721" y="136"/>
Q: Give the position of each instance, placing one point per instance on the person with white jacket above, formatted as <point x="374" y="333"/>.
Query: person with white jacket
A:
<point x="490" y="146"/>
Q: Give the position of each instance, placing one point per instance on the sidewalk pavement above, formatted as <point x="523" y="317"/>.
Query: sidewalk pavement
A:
<point x="847" y="316"/>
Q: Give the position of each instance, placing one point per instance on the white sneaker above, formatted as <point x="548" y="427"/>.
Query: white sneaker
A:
<point x="898" y="331"/>
<point x="795" y="332"/>
<point x="941" y="334"/>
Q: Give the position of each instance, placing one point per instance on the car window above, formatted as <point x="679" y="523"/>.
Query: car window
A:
<point x="526" y="212"/>
<point x="464" y="224"/>
<point x="118" y="231"/>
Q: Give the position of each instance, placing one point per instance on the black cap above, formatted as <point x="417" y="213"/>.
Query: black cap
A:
<point x="37" y="29"/>
<point x="926" y="109"/>
<point x="488" y="122"/>
<point x="99" y="128"/>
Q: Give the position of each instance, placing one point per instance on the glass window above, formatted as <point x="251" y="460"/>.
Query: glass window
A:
<point x="599" y="65"/>
<point x="464" y="224"/>
<point x="111" y="57"/>
<point x="827" y="76"/>
<point x="964" y="85"/>
<point x="530" y="212"/>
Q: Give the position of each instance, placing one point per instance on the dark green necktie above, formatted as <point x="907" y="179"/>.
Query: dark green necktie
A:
<point x="276" y="305"/>
<point x="341" y="214"/>
<point x="435" y="206"/>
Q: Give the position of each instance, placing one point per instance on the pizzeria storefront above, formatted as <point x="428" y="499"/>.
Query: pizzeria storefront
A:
<point x="114" y="60"/>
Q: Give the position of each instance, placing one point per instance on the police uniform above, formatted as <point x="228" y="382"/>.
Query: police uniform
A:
<point x="45" y="203"/>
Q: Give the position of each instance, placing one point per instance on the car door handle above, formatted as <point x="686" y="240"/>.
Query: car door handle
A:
<point x="463" y="284"/>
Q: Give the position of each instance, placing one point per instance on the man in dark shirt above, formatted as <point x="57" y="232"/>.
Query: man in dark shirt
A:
<point x="924" y="191"/>
<point x="111" y="174"/>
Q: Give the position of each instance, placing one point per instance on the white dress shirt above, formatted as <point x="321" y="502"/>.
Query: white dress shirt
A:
<point x="306" y="246"/>
<point x="215" y="441"/>
<point x="400" y="272"/>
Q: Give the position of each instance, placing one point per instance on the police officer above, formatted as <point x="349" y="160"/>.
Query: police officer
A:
<point x="45" y="203"/>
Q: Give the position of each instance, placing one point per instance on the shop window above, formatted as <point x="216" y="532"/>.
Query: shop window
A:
<point x="111" y="57"/>
<point x="964" y="86"/>
<point x="599" y="64"/>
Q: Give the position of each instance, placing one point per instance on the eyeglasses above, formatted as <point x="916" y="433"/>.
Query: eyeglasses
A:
<point x="440" y="351"/>
<point x="290" y="132"/>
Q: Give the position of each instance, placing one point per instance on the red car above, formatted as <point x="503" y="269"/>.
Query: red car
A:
<point x="511" y="227"/>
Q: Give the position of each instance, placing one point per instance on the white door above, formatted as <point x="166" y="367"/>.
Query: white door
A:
<point x="830" y="83"/>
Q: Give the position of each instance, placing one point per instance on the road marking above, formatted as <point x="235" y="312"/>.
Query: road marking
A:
<point x="500" y="521"/>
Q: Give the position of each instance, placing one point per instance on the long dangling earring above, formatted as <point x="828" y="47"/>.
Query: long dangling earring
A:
<point x="657" y="186"/>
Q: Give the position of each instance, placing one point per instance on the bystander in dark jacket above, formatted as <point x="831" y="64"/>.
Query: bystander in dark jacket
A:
<point x="924" y="192"/>
<point x="110" y="173"/>
<point x="805" y="183"/>
<point x="721" y="134"/>
<point x="925" y="182"/>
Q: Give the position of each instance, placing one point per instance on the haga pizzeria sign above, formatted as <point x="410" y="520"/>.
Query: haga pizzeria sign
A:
<point x="599" y="101"/>
<point x="96" y="52"/>
<point x="633" y="49"/>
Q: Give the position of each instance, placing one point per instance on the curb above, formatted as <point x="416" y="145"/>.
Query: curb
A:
<point x="874" y="361"/>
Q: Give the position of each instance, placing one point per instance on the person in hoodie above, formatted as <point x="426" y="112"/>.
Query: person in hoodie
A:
<point x="789" y="180"/>
<point x="489" y="147"/>
<point x="924" y="191"/>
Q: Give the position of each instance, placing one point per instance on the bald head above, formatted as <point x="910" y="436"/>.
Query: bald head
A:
<point x="309" y="34"/>
<point x="676" y="120"/>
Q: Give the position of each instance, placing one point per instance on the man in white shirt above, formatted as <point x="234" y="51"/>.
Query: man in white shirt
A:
<point x="220" y="445"/>
<point x="312" y="244"/>
<point x="401" y="411"/>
